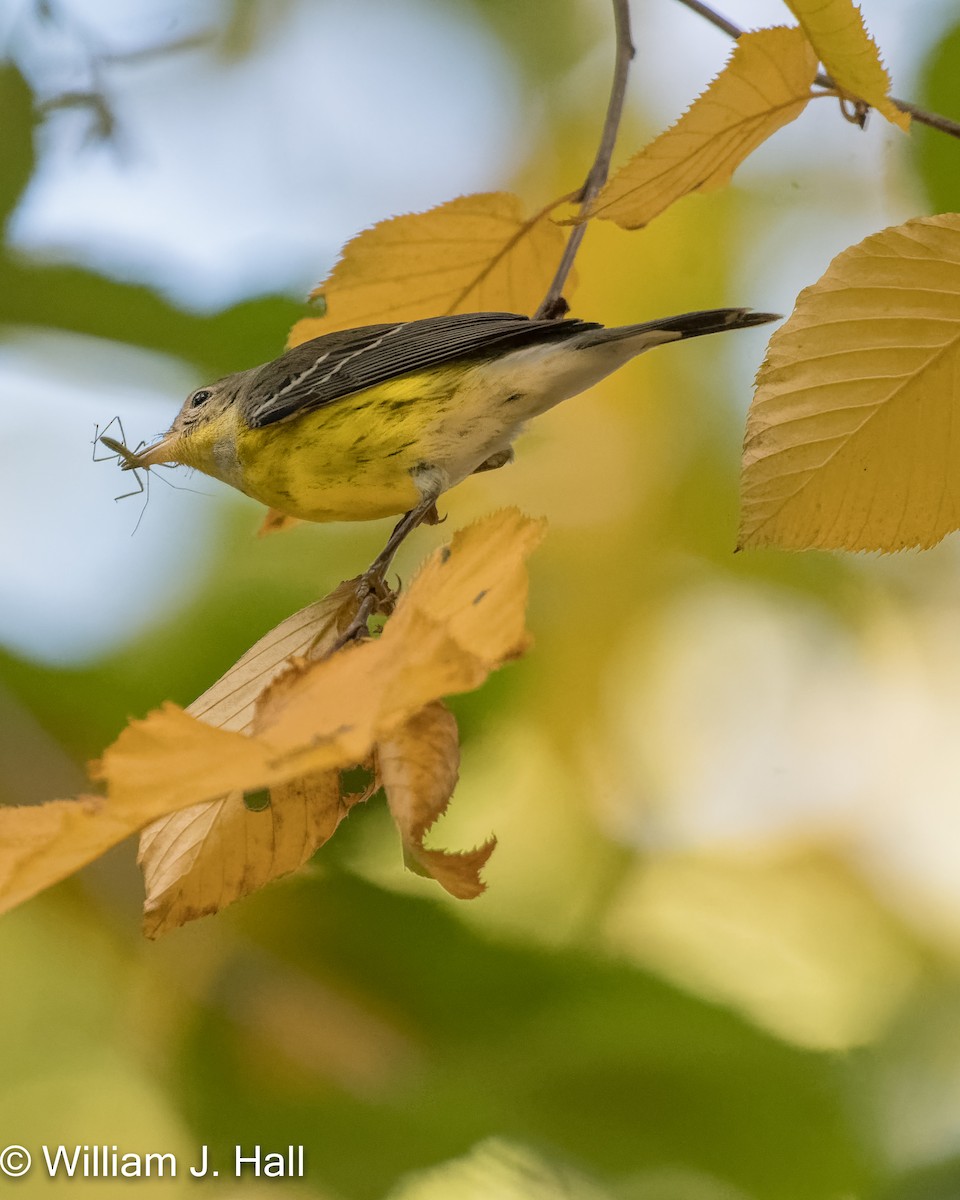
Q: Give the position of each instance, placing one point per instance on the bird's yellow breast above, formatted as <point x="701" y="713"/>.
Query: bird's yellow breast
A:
<point x="359" y="457"/>
<point x="351" y="460"/>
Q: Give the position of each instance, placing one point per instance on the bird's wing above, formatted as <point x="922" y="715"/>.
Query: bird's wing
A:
<point x="320" y="371"/>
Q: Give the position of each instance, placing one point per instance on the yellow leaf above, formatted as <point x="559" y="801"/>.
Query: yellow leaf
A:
<point x="461" y="617"/>
<point x="836" y="30"/>
<point x="852" y="441"/>
<point x="473" y="254"/>
<point x="199" y="859"/>
<point x="765" y="85"/>
<point x="230" y="703"/>
<point x="290" y="729"/>
<point x="44" y="843"/>
<point x="418" y="766"/>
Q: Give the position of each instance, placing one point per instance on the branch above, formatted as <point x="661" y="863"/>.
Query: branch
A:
<point x="714" y="18"/>
<point x="553" y="304"/>
<point x="934" y="120"/>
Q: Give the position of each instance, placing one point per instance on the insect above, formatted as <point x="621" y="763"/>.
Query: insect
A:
<point x="120" y="451"/>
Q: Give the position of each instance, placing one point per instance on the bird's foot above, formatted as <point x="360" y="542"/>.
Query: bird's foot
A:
<point x="374" y="597"/>
<point x="373" y="593"/>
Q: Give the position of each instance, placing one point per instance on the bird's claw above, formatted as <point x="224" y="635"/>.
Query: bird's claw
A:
<point x="374" y="595"/>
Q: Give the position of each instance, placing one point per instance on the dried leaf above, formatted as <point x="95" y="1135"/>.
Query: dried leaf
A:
<point x="308" y="634"/>
<point x="473" y="254"/>
<point x="418" y="767"/>
<point x="852" y="440"/>
<point x="459" y="619"/>
<point x="202" y="858"/>
<point x="836" y="31"/>
<point x="765" y="85"/>
<point x="199" y="859"/>
<point x="276" y="522"/>
<point x="44" y="843"/>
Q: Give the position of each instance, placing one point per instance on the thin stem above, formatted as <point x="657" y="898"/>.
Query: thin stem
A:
<point x="553" y="304"/>
<point x="618" y="90"/>
<point x="934" y="120"/>
<point x="714" y="18"/>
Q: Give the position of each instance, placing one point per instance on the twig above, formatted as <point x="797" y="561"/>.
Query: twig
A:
<point x="553" y="304"/>
<point x="714" y="18"/>
<point x="934" y="120"/>
<point x="95" y="97"/>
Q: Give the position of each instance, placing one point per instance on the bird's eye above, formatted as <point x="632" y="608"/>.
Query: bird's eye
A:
<point x="200" y="397"/>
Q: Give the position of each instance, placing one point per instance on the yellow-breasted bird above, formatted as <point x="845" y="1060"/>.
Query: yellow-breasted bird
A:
<point x="380" y="420"/>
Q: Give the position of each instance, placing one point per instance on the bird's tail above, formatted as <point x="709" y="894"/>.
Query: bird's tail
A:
<point x="693" y="324"/>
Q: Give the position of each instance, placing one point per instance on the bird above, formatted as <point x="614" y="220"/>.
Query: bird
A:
<point x="368" y="422"/>
<point x="381" y="420"/>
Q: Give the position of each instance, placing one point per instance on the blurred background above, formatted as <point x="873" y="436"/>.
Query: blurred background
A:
<point x="719" y="957"/>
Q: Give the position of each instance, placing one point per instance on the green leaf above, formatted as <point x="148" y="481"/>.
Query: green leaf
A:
<point x="937" y="156"/>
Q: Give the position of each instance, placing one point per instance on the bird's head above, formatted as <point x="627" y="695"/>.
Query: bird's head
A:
<point x="201" y="422"/>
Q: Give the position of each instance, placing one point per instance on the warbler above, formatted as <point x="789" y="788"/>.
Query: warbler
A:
<point x="380" y="420"/>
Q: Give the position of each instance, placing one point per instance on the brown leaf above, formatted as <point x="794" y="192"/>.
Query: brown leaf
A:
<point x="307" y="634"/>
<point x="42" y="844"/>
<point x="199" y="859"/>
<point x="202" y="858"/>
<point x="460" y="619"/>
<point x="418" y="767"/>
<point x="276" y="522"/>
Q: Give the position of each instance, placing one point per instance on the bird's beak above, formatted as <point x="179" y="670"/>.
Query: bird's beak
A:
<point x="164" y="451"/>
